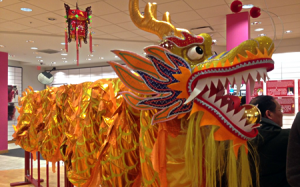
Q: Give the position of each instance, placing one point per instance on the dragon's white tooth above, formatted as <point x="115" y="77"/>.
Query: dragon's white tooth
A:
<point x="248" y="127"/>
<point x="261" y="72"/>
<point x="215" y="81"/>
<point x="230" y="79"/>
<point x="212" y="99"/>
<point x="238" y="82"/>
<point x="206" y="95"/>
<point x="239" y="115"/>
<point x="253" y="74"/>
<point x="223" y="81"/>
<point x="268" y="76"/>
<point x="245" y="77"/>
<point x="265" y="77"/>
<point x="218" y="103"/>
<point x="252" y="84"/>
<point x="230" y="113"/>
<point x="258" y="78"/>
<point x="224" y="108"/>
<point x="197" y="90"/>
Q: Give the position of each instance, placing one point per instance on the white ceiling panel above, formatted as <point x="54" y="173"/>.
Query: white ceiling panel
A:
<point x="116" y="18"/>
<point x="123" y="5"/>
<point x="209" y="12"/>
<point x="47" y="5"/>
<point x="124" y="35"/>
<point x="11" y="26"/>
<point x="174" y="7"/>
<point x="185" y="16"/>
<point x="9" y="15"/>
<point x="103" y="8"/>
<point x="110" y="29"/>
<point x="199" y="4"/>
<point x="17" y="8"/>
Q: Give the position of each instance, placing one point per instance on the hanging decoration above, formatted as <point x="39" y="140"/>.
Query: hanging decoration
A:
<point x="77" y="27"/>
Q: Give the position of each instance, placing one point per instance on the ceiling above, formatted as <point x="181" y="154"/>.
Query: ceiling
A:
<point x="113" y="28"/>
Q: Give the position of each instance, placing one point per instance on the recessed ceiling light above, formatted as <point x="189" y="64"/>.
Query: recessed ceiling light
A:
<point x="262" y="34"/>
<point x="63" y="43"/>
<point x="116" y="57"/>
<point x="26" y="9"/>
<point x="96" y="45"/>
<point x="38" y="57"/>
<point x="214" y="41"/>
<point x="2" y="46"/>
<point x="145" y="53"/>
<point x="89" y="59"/>
<point x="51" y="19"/>
<point x="248" y="6"/>
<point x="35" y="48"/>
<point x="11" y="55"/>
<point x="65" y="61"/>
<point x="288" y="31"/>
<point x="64" y="54"/>
<point x="41" y="60"/>
<point x="30" y="41"/>
<point x="101" y="58"/>
<point x="62" y="49"/>
<point x="63" y="58"/>
<point x="259" y="29"/>
<point x="53" y="62"/>
<point x="91" y="55"/>
<point x="256" y="23"/>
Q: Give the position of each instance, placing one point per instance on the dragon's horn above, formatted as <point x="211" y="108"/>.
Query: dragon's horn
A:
<point x="148" y="22"/>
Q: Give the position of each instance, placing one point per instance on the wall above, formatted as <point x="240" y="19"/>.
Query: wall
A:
<point x="3" y="101"/>
<point x="30" y="74"/>
<point x="287" y="67"/>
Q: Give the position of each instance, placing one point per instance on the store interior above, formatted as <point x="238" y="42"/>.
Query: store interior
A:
<point x="34" y="39"/>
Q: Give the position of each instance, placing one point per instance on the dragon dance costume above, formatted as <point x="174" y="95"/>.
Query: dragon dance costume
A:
<point x="166" y="123"/>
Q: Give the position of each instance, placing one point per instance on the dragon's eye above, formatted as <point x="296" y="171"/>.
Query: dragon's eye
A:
<point x="195" y="53"/>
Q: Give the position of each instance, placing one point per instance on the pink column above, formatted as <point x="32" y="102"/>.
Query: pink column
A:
<point x="3" y="101"/>
<point x="237" y="31"/>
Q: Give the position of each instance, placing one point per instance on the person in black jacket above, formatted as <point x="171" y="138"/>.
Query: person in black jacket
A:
<point x="270" y="144"/>
<point x="293" y="154"/>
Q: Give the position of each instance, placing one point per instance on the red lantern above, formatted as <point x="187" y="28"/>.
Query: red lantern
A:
<point x="255" y="12"/>
<point x="236" y="6"/>
<point x="77" y="27"/>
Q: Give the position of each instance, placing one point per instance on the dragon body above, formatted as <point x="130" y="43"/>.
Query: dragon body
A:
<point x="166" y="120"/>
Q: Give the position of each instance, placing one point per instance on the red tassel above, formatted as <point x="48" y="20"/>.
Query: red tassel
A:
<point x="77" y="46"/>
<point x="66" y="40"/>
<point x="91" y="45"/>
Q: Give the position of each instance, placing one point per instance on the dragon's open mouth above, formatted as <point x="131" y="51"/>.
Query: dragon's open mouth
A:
<point x="207" y="88"/>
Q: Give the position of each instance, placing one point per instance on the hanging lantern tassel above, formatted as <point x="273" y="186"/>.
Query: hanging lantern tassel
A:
<point x="80" y="43"/>
<point x="91" y="45"/>
<point x="66" y="40"/>
<point x="77" y="46"/>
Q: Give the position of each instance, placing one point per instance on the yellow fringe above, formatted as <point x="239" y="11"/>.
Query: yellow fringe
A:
<point x="211" y="163"/>
<point x="193" y="150"/>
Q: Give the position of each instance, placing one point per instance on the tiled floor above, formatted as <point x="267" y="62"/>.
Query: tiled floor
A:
<point x="12" y="170"/>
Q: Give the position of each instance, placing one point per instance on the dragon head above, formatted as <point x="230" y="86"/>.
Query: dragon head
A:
<point x="181" y="76"/>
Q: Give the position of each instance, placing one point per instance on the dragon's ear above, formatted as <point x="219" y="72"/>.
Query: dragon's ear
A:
<point x="137" y="62"/>
<point x="134" y="100"/>
<point x="132" y="81"/>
